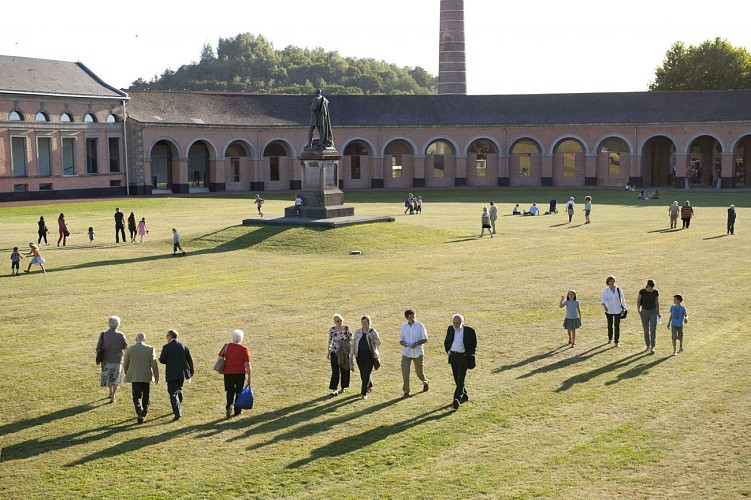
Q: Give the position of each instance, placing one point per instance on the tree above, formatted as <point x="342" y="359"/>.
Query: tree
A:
<point x="713" y="65"/>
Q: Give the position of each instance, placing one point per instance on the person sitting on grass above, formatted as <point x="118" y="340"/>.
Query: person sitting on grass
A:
<point x="533" y="210"/>
<point x="515" y="210"/>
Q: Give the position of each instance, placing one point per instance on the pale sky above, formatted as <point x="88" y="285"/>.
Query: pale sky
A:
<point x="513" y="47"/>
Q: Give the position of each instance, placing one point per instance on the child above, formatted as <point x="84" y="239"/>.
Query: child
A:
<point x="419" y="205"/>
<point x="678" y="316"/>
<point x="142" y="230"/>
<point x="176" y="242"/>
<point x="91" y="235"/>
<point x="259" y="202"/>
<point x="485" y="222"/>
<point x="587" y="207"/>
<point x="573" y="316"/>
<point x="15" y="260"/>
<point x="36" y="259"/>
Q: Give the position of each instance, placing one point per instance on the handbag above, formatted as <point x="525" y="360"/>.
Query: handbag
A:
<point x="245" y="400"/>
<point x="376" y="361"/>
<point x="100" y="349"/>
<point x="66" y="232"/>
<point x="624" y="311"/>
<point x="219" y="365"/>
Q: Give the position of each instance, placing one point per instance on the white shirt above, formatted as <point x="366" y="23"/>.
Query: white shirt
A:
<point x="411" y="335"/>
<point x="458" y="344"/>
<point x="612" y="300"/>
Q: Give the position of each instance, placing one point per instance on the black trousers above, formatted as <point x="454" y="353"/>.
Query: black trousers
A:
<point x="338" y="374"/>
<point x="140" y="392"/>
<point x="365" y="365"/>
<point x="175" y="390"/>
<point x="233" y="386"/>
<point x="731" y="227"/>
<point x="459" y="366"/>
<point x="686" y="222"/>
<point x="614" y="327"/>
<point x="43" y="236"/>
<point x="133" y="232"/>
<point x="118" y="230"/>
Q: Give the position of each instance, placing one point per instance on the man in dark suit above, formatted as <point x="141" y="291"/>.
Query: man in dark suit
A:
<point x="140" y="369"/>
<point x="460" y="344"/>
<point x="179" y="366"/>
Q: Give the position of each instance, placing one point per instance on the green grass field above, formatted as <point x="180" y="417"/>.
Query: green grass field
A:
<point x="543" y="420"/>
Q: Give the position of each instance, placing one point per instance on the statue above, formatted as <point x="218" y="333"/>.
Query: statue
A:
<point x="319" y="118"/>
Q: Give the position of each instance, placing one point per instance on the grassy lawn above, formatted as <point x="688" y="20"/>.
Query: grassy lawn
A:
<point x="543" y="420"/>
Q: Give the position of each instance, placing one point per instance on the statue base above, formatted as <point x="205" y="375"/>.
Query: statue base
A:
<point x="322" y="198"/>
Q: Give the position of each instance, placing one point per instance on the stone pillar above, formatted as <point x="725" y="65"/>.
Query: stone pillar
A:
<point x="322" y="198"/>
<point x="728" y="171"/>
<point x="452" y="71"/>
<point x="590" y="170"/>
<point x="546" y="179"/>
<point x="681" y="166"/>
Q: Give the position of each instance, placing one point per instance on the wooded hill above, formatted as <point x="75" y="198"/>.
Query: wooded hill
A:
<point x="249" y="63"/>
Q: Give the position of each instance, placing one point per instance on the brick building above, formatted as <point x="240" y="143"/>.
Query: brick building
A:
<point x="65" y="133"/>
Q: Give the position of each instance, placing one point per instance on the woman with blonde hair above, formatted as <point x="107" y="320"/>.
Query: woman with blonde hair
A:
<point x="339" y="355"/>
<point x="36" y="257"/>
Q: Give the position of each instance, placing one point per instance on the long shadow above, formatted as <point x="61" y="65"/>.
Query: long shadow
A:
<point x="461" y="240"/>
<point x="253" y="237"/>
<point x="34" y="447"/>
<point x="20" y="425"/>
<point x="287" y="417"/>
<point x="145" y="441"/>
<point x="587" y="376"/>
<point x="636" y="371"/>
<point x="349" y="444"/>
<point x="575" y="225"/>
<point x="715" y="237"/>
<point x="316" y="427"/>
<point x="531" y="359"/>
<point x="563" y="363"/>
<point x="560" y="225"/>
<point x="669" y="230"/>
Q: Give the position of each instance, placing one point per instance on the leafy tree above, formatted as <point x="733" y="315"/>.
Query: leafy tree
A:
<point x="249" y="63"/>
<point x="713" y="65"/>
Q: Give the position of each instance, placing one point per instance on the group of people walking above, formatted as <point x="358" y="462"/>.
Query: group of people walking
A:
<point x="614" y="304"/>
<point x="413" y="204"/>
<point x="363" y="346"/>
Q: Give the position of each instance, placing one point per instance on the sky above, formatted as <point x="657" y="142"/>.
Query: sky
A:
<point x="513" y="47"/>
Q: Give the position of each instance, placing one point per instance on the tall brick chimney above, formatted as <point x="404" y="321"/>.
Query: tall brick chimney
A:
<point x="452" y="71"/>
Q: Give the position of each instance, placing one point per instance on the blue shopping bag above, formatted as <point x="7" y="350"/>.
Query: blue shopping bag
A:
<point x="245" y="399"/>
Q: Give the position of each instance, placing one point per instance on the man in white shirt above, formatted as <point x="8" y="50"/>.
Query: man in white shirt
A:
<point x="411" y="338"/>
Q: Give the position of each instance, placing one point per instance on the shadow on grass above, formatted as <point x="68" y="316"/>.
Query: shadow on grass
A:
<point x="253" y="237"/>
<point x="310" y="429"/>
<point x="669" y="230"/>
<point x="559" y="225"/>
<point x="636" y="371"/>
<point x="531" y="359"/>
<point x="34" y="447"/>
<point x="587" y="376"/>
<point x="352" y="443"/>
<point x="715" y="237"/>
<point x="575" y="225"/>
<point x="20" y="425"/>
<point x="145" y="441"/>
<point x="461" y="240"/>
<point x="563" y="363"/>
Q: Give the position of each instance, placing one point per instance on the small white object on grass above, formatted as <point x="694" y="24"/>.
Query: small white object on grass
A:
<point x="355" y="252"/>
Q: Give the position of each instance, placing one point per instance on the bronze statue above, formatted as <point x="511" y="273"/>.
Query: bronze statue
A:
<point x="319" y="118"/>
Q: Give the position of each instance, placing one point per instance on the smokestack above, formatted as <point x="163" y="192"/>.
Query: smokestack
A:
<point x="452" y="71"/>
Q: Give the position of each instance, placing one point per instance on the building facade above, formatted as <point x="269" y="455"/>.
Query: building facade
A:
<point x="66" y="134"/>
<point x="62" y="132"/>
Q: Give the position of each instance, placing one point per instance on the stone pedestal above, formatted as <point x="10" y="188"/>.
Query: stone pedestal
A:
<point x="322" y="198"/>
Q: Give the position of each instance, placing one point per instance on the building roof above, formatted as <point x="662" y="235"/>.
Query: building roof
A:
<point x="237" y="109"/>
<point x="26" y="75"/>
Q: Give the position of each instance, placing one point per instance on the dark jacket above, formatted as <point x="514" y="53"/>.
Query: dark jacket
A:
<point x="470" y="340"/>
<point x="176" y="357"/>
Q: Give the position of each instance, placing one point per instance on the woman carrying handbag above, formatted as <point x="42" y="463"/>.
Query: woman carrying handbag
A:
<point x="236" y="366"/>
<point x="366" y="353"/>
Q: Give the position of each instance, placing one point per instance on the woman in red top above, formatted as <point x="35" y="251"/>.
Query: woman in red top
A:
<point x="236" y="365"/>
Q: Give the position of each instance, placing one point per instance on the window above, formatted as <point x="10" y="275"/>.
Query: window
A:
<point x="569" y="148"/>
<point x="92" y="156"/>
<point x="114" y="153"/>
<point x="66" y="118"/>
<point x="396" y="167"/>
<point x="235" y="166"/>
<point x="481" y="148"/>
<point x="42" y="117"/>
<point x="614" y="147"/>
<point x="69" y="156"/>
<point x="438" y="149"/>
<point x="18" y="152"/>
<point x="111" y="118"/>
<point x="354" y="167"/>
<point x="89" y="118"/>
<point x="15" y="116"/>
<point x="438" y="165"/>
<point x="20" y="188"/>
<point x="45" y="186"/>
<point x="44" y="156"/>
<point x="273" y="168"/>
<point x="569" y="164"/>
